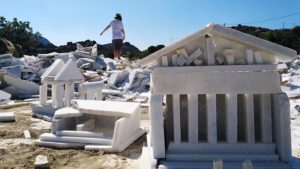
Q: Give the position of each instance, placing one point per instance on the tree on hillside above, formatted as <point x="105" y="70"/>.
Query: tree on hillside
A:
<point x="286" y="37"/>
<point x="19" y="32"/>
<point x="148" y="51"/>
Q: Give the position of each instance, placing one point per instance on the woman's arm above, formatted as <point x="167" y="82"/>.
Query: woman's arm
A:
<point x="104" y="29"/>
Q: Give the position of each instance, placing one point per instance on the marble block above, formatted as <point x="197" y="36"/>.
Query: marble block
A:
<point x="109" y="108"/>
<point x="66" y="112"/>
<point x="7" y="117"/>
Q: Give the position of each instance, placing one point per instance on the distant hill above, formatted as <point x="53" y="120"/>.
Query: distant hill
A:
<point x="44" y="41"/>
<point x="106" y="49"/>
<point x="286" y="37"/>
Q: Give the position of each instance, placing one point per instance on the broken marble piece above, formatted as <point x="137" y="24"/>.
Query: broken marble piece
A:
<point x="193" y="56"/>
<point x="80" y="47"/>
<point x="14" y="70"/>
<point x="82" y="61"/>
<point x="111" y="66"/>
<point x="131" y="77"/>
<point x="117" y="78"/>
<point x="27" y="134"/>
<point x="282" y="68"/>
<point x="106" y="92"/>
<point x="41" y="161"/>
<point x="182" y="52"/>
<point x="7" y="117"/>
<point x="198" y="62"/>
<point x="220" y="60"/>
<point x="285" y="77"/>
<point x="4" y="97"/>
<point x="229" y="56"/>
<point x="94" y="51"/>
<point x="17" y="87"/>
<point x="6" y="60"/>
<point x="81" y="54"/>
<point x="181" y="60"/>
<point x="295" y="80"/>
<point x="49" y="55"/>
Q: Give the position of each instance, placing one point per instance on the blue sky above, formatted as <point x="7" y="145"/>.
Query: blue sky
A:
<point x="147" y="22"/>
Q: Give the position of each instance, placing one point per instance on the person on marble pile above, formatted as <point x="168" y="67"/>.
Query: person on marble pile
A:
<point x="118" y="35"/>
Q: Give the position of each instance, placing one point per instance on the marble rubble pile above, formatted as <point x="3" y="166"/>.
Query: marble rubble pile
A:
<point x="290" y="84"/>
<point x="123" y="79"/>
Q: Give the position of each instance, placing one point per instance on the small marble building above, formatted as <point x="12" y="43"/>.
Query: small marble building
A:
<point x="223" y="102"/>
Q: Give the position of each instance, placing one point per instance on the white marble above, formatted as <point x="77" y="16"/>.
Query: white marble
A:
<point x="71" y="139"/>
<point x="79" y="133"/>
<point x="174" y="59"/>
<point x="176" y="118"/>
<point x="69" y="72"/>
<point x="231" y="118"/>
<point x="4" y="96"/>
<point x="94" y="51"/>
<point x="239" y="96"/>
<point x="198" y="62"/>
<point x="41" y="161"/>
<point x="53" y="69"/>
<point x="193" y="56"/>
<point x="43" y="94"/>
<point x="210" y="52"/>
<point x="193" y="118"/>
<point x="7" y="117"/>
<point x="211" y="110"/>
<point x="182" y="52"/>
<point x="66" y="113"/>
<point x="164" y="60"/>
<point x="273" y="50"/>
<point x="156" y="124"/>
<point x="211" y="82"/>
<point x="88" y="125"/>
<point x="181" y="60"/>
<point x="27" y="134"/>
<point x="123" y="109"/>
<point x="249" y="118"/>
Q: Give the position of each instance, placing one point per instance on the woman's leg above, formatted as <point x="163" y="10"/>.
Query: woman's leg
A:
<point x="115" y="54"/>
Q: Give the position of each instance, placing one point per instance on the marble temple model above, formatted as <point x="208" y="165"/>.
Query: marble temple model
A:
<point x="224" y="105"/>
<point x="84" y="121"/>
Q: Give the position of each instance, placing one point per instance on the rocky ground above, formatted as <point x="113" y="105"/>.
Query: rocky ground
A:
<point x="18" y="152"/>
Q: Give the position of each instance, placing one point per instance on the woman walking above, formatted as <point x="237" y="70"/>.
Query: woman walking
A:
<point x="118" y="35"/>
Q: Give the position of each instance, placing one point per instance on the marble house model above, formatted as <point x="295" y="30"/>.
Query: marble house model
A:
<point x="224" y="107"/>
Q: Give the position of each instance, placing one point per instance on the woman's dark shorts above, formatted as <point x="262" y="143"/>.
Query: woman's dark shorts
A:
<point x="117" y="44"/>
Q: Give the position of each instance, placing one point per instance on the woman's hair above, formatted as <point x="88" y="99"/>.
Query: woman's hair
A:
<point x="118" y="17"/>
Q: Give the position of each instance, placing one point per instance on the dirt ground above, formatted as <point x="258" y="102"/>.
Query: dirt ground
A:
<point x="17" y="152"/>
